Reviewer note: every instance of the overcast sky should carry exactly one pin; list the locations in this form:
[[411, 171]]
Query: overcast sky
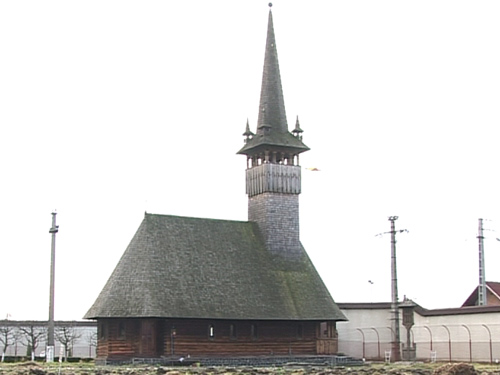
[[109, 109]]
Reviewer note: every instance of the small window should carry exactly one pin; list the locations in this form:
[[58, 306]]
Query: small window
[[327, 330], [254, 334], [232, 332], [121, 330], [300, 331], [211, 331]]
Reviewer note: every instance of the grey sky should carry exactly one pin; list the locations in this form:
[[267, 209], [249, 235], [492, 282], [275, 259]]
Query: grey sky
[[109, 109]]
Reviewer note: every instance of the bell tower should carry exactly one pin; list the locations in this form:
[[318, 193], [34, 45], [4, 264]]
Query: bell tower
[[273, 174]]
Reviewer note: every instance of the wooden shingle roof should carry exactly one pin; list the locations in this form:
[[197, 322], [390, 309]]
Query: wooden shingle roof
[[182, 267], [272, 127]]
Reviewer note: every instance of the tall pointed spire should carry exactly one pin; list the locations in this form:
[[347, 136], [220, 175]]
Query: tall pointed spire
[[272, 105], [272, 133]]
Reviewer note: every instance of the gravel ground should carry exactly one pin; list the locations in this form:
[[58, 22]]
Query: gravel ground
[[35, 368]]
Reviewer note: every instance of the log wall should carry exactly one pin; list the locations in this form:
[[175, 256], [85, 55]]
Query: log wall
[[236, 338], [153, 338]]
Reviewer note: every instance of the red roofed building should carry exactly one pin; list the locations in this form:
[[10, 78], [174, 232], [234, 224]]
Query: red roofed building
[[492, 295]]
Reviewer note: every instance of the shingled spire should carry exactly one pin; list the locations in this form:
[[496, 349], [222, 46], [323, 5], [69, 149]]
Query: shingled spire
[[273, 176], [272, 105], [272, 128]]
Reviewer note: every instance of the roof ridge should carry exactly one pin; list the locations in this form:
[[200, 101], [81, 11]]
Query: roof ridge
[[195, 217]]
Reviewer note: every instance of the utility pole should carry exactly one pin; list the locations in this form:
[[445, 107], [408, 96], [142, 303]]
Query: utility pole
[[49, 353], [396, 341], [394, 293], [481, 295]]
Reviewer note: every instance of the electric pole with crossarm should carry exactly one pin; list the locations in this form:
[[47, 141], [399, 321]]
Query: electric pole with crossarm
[[396, 346], [49, 353]]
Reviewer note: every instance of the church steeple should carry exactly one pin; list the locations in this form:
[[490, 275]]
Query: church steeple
[[272, 133], [272, 105], [273, 175]]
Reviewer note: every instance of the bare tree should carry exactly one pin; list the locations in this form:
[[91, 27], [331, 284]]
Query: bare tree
[[92, 340], [6, 338], [17, 336], [33, 336], [67, 337]]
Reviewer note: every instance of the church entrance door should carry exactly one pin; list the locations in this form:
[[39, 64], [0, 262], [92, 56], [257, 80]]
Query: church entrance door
[[148, 343]]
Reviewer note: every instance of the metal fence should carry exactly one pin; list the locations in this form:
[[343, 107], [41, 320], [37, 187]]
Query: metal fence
[[452, 342]]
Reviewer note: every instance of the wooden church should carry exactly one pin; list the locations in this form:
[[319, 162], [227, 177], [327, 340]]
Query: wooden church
[[219, 288]]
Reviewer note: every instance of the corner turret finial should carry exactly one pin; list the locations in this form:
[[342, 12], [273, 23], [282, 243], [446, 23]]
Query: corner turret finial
[[248, 134], [297, 132]]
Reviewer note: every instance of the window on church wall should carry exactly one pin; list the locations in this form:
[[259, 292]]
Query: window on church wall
[[323, 330], [121, 330], [327, 330], [232, 332], [254, 333], [300, 331], [211, 331]]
